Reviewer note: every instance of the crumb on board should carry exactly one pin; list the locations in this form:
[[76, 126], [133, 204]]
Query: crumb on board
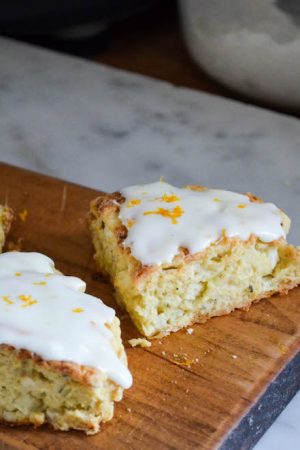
[[206, 352], [128, 409], [139, 342], [189, 330], [183, 360], [234, 356], [23, 215], [283, 348]]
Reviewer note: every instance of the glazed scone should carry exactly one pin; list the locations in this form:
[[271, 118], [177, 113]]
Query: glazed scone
[[180, 256], [6, 216], [62, 361]]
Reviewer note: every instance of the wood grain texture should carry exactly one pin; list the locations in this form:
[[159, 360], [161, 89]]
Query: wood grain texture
[[171, 405]]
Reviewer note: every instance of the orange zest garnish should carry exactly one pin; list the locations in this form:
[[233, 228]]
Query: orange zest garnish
[[77, 310], [182, 360], [23, 215], [33, 302], [130, 223], [186, 363], [172, 214], [18, 274], [40, 283], [242, 205], [169, 198], [6, 299], [216, 199], [133, 202], [27, 300]]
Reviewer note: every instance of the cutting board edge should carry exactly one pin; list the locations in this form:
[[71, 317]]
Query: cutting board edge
[[266, 409]]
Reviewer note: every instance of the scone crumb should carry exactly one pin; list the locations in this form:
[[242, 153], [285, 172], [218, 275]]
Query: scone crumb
[[130, 223], [128, 409], [234, 356], [139, 342], [189, 331], [208, 351], [23, 215], [282, 348], [182, 360]]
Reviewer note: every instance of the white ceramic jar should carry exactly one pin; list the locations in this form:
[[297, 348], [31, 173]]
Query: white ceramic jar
[[251, 46]]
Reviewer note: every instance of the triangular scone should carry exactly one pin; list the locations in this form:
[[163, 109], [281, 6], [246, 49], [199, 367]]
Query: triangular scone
[[62, 361], [179, 256], [6, 216]]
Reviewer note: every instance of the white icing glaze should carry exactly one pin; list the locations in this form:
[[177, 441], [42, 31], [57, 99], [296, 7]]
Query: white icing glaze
[[50, 315], [190, 219]]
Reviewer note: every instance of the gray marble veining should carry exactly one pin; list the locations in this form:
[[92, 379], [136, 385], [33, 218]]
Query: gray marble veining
[[97, 126], [106, 129]]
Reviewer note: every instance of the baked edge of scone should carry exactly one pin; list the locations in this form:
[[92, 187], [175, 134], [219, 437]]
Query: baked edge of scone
[[91, 383], [6, 218]]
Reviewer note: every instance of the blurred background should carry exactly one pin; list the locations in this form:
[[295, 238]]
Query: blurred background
[[248, 51]]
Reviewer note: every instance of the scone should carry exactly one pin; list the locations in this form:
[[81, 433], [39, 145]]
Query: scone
[[6, 216], [62, 361], [180, 256]]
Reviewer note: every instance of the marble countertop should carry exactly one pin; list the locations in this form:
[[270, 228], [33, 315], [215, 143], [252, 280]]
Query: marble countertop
[[105, 128]]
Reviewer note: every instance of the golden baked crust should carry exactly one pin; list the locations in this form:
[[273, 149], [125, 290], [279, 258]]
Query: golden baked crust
[[6, 217], [228, 274], [62, 394]]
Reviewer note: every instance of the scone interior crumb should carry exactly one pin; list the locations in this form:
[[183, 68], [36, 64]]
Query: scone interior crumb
[[33, 392], [139, 342]]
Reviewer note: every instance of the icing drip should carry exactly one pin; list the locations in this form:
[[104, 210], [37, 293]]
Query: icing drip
[[49, 314], [162, 218]]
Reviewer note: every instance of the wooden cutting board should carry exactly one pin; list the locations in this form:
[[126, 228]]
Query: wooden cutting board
[[219, 387]]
